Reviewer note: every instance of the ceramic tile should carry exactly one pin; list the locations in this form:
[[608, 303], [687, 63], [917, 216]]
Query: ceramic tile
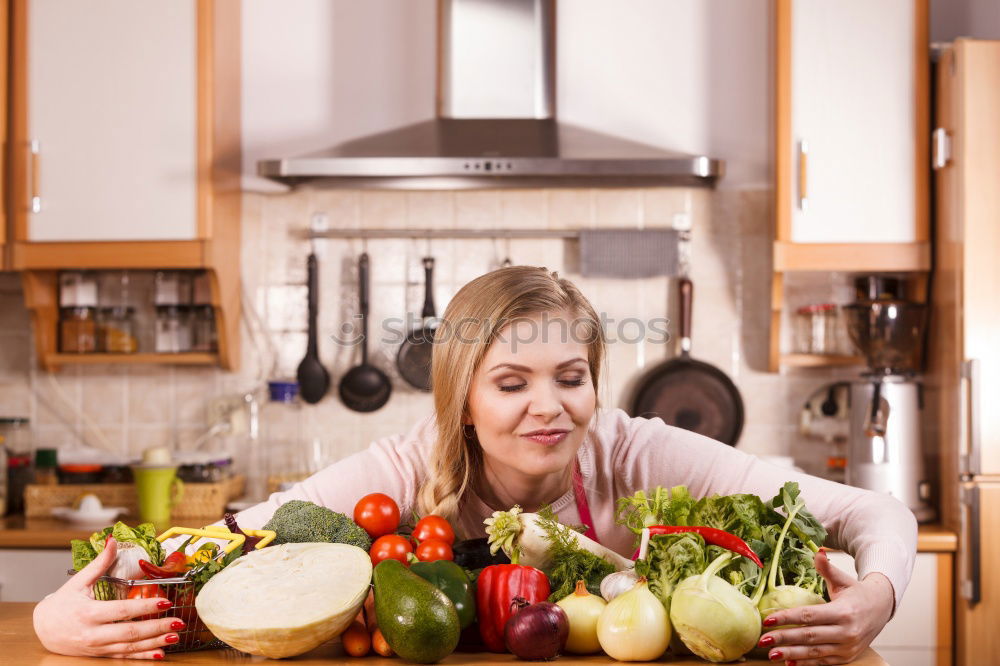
[[430, 210], [103, 393], [193, 388], [383, 210], [15, 398], [150, 400], [617, 208], [16, 359], [570, 209], [477, 209], [341, 207], [660, 205], [523, 209], [55, 436], [139, 438]]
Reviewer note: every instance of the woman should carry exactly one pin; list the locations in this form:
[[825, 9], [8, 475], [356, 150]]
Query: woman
[[516, 369]]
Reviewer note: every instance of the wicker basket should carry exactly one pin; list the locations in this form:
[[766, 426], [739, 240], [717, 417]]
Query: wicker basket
[[197, 501]]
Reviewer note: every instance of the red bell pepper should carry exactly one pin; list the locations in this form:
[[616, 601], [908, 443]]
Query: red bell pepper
[[496, 588], [714, 536], [174, 565]]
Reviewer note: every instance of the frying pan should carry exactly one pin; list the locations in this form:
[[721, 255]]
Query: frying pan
[[414, 356], [687, 393]]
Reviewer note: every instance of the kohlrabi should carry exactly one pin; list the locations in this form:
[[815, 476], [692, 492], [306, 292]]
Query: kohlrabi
[[773, 596], [711, 617]]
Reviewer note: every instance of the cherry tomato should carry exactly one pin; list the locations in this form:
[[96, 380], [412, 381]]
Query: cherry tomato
[[390, 547], [377, 514], [433, 527], [432, 549]]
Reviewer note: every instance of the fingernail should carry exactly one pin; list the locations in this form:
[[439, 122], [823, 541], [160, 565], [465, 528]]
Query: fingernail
[[157, 655], [770, 622], [767, 641], [164, 605], [776, 655], [177, 624], [789, 663], [173, 638]]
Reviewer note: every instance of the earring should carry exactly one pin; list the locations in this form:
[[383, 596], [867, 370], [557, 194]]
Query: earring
[[469, 431]]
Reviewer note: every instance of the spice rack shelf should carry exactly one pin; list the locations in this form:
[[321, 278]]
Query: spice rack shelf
[[819, 360], [41, 295], [54, 361]]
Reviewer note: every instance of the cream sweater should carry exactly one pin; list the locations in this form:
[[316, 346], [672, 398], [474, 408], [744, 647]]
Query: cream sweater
[[620, 456]]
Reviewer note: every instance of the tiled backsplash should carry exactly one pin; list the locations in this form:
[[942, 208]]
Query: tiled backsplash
[[128, 409]]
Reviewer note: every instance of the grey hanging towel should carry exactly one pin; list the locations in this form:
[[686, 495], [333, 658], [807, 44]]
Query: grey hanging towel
[[628, 253]]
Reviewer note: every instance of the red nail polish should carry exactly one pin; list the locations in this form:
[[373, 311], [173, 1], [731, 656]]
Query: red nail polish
[[776, 655], [173, 638], [770, 622], [789, 663], [177, 624], [767, 641], [157, 655], [164, 605]]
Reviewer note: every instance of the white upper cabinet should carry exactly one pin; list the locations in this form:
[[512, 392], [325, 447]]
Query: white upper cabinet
[[853, 121], [112, 112]]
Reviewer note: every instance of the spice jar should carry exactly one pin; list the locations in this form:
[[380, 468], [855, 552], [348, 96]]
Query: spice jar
[[77, 330], [203, 338], [816, 329], [116, 328], [173, 329]]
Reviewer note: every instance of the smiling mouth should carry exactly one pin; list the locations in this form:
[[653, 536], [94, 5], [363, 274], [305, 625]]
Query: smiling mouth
[[547, 436]]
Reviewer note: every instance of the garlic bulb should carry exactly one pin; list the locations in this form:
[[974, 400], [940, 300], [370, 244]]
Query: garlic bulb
[[126, 566]]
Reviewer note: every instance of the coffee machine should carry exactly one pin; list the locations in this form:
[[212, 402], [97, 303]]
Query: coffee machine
[[885, 451]]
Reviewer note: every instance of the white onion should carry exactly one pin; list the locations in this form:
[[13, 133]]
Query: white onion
[[583, 610], [635, 626]]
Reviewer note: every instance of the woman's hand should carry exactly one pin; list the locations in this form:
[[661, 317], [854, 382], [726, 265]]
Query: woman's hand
[[835, 632], [70, 621]]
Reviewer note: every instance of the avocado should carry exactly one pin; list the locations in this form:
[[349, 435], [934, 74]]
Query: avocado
[[417, 619]]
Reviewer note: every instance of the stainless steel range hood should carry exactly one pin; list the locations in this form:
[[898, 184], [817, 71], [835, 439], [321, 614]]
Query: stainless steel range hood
[[496, 124]]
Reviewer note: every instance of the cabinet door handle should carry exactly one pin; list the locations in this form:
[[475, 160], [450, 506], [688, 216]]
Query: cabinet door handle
[[971, 585], [803, 163], [971, 461], [940, 148], [34, 169]]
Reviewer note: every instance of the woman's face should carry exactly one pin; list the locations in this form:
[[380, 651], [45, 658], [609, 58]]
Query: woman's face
[[532, 397]]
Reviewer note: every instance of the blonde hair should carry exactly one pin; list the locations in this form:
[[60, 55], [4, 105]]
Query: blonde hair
[[471, 322]]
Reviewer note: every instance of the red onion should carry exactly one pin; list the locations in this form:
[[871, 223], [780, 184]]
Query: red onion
[[537, 631]]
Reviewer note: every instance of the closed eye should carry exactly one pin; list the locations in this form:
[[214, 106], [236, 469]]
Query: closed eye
[[564, 382]]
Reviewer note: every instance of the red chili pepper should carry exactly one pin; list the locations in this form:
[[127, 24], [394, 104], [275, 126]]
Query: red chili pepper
[[174, 566], [713, 536], [496, 588]]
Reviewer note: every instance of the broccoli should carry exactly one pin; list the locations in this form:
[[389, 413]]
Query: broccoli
[[297, 521]]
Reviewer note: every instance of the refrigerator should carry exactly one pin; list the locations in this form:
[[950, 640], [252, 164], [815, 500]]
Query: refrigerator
[[963, 380]]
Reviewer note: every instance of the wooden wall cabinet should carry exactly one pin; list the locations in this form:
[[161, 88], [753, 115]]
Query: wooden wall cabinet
[[124, 149], [852, 135]]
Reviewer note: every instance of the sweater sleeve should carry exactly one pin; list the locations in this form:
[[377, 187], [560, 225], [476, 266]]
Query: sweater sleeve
[[879, 531], [393, 465]]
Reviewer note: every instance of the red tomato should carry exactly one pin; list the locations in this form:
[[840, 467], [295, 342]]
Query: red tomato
[[377, 514], [390, 547], [146, 592], [432, 549], [433, 527]]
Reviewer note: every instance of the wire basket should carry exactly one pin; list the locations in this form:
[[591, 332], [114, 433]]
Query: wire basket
[[180, 591]]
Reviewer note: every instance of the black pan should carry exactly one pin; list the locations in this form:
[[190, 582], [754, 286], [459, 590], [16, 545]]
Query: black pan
[[414, 356], [687, 393]]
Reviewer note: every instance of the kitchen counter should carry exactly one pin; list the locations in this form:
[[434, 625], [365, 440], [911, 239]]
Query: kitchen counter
[[21, 647], [17, 532]]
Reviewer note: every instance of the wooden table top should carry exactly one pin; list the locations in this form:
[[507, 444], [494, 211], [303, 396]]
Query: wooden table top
[[20, 646], [18, 532], [21, 532]]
